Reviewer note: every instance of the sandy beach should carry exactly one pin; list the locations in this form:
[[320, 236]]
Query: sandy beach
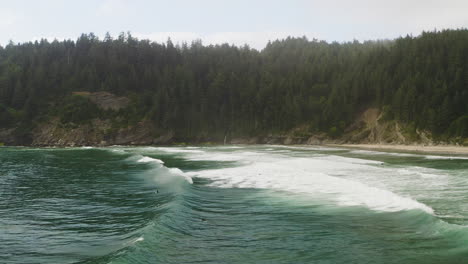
[[448, 149]]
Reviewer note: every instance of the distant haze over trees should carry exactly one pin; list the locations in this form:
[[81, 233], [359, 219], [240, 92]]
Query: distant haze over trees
[[196, 90]]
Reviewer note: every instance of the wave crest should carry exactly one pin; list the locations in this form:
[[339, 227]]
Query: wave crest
[[311, 177]]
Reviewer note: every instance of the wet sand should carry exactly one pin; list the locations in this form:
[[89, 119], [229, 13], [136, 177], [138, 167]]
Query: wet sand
[[442, 149]]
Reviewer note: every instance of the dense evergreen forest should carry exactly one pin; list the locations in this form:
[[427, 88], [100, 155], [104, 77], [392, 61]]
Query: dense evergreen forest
[[197, 90]]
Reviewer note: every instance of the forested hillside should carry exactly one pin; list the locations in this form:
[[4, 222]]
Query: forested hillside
[[209, 92]]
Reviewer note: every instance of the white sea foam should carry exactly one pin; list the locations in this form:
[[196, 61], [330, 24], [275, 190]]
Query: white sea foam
[[117, 150], [217, 157], [134, 241], [148, 159], [176, 171], [435, 157], [446, 157], [316, 176], [221, 156], [311, 147], [160, 171], [422, 172], [344, 181], [179, 150], [346, 160], [373, 152]]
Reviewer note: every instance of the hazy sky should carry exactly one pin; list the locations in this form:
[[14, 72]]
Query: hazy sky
[[216, 21]]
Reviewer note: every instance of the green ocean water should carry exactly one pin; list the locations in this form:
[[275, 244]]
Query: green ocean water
[[231, 204]]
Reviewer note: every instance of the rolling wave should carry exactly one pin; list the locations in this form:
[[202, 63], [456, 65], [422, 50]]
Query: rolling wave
[[309, 177], [261, 187]]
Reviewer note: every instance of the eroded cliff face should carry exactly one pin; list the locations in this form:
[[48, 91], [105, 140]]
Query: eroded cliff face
[[97, 133], [106, 100], [369, 128]]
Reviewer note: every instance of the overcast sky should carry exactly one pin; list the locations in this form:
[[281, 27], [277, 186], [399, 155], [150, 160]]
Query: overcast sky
[[237, 22]]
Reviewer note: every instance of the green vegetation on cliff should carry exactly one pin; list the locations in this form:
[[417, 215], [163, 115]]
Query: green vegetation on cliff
[[199, 91]]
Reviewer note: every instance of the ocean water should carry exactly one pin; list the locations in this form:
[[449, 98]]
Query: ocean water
[[231, 204]]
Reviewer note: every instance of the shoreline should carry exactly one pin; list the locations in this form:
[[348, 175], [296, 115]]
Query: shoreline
[[444, 149], [436, 149]]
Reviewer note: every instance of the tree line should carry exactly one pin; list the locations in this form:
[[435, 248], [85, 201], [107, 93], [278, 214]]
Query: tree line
[[200, 90]]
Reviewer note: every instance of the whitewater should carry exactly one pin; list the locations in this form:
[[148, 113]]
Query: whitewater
[[231, 204]]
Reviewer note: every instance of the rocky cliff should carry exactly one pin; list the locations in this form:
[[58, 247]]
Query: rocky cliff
[[370, 127]]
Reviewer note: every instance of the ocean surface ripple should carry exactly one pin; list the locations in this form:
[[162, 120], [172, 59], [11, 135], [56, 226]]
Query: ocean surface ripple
[[231, 204]]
